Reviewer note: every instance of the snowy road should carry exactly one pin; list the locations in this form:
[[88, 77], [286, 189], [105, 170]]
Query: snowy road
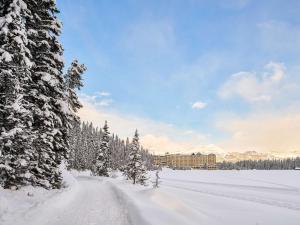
[[94, 204]]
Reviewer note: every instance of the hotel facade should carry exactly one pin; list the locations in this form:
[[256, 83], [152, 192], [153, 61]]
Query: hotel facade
[[184, 161]]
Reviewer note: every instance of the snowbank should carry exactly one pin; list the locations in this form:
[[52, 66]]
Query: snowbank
[[76, 173], [33, 203]]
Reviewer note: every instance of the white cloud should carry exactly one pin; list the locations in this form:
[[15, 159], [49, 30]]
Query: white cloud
[[104, 102], [97, 99], [88, 98], [104, 93], [271, 126], [162, 144], [263, 132], [255, 87], [158, 137], [199, 105], [278, 71]]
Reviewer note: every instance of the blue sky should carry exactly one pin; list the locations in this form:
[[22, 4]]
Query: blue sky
[[209, 68]]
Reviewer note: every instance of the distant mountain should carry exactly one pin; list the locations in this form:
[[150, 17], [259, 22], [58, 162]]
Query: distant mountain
[[253, 155]]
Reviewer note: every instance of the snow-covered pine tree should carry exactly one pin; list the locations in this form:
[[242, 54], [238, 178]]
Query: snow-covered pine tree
[[16, 152], [74, 144], [81, 154], [114, 147], [84, 141], [73, 82], [102, 165], [135, 169], [92, 147], [50, 110], [147, 159], [125, 155], [117, 150]]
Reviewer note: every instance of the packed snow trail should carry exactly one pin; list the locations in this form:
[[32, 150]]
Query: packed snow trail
[[95, 204], [93, 201]]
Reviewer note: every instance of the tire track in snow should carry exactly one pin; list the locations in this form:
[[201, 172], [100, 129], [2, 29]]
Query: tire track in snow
[[239, 186], [270, 202], [128, 203]]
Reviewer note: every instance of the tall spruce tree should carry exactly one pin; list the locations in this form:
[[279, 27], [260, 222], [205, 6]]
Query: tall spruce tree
[[73, 82], [50, 111], [16, 136], [135, 169], [103, 160]]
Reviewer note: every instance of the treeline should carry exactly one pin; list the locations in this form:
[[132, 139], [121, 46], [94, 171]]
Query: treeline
[[271, 164], [38, 102], [98, 151], [85, 143]]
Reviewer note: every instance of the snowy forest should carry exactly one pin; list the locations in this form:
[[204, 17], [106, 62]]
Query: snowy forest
[[85, 140], [274, 164], [40, 128]]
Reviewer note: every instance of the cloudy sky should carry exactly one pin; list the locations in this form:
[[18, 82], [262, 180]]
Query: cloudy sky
[[191, 75]]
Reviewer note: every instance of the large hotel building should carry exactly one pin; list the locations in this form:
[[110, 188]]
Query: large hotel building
[[180, 161]]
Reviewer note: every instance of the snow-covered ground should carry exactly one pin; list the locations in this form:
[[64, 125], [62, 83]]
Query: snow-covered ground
[[184, 198]]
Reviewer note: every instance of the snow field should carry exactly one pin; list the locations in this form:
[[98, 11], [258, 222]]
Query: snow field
[[183, 198], [220, 197]]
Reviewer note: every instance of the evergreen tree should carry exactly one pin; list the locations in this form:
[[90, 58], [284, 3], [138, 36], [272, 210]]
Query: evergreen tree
[[92, 147], [82, 150], [73, 82], [16, 136], [147, 159], [103, 162], [74, 143], [135, 169], [125, 155], [50, 111]]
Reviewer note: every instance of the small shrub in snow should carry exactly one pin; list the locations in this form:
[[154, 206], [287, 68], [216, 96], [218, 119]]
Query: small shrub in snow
[[156, 181]]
